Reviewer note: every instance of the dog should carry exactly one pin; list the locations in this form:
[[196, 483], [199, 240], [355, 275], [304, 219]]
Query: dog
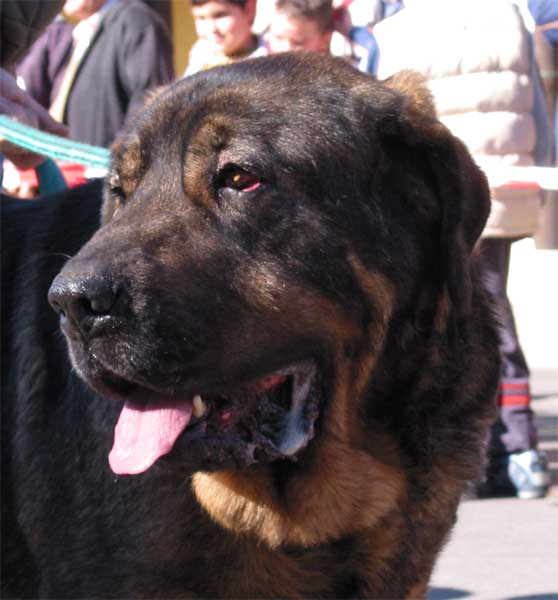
[[283, 362]]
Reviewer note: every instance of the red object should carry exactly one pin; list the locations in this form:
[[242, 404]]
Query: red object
[[338, 12], [74, 174], [522, 185], [514, 394], [515, 400]]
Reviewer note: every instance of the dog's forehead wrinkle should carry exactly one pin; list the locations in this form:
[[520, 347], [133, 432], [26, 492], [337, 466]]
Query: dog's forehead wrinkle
[[207, 136], [316, 145], [215, 143], [164, 172], [248, 151]]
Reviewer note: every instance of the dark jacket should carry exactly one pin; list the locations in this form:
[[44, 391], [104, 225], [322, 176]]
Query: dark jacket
[[21, 23], [43, 67], [130, 53]]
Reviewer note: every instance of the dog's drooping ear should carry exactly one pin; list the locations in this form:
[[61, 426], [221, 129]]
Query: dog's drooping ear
[[460, 186], [465, 199], [451, 162], [413, 86]]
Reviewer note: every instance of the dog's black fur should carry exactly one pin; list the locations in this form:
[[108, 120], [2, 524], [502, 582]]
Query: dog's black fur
[[276, 212], [37, 239]]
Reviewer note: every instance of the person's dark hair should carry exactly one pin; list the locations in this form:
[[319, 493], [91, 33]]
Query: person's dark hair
[[241, 3], [320, 11]]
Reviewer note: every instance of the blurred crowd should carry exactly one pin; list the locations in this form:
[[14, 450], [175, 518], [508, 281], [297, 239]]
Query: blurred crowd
[[491, 66], [92, 65]]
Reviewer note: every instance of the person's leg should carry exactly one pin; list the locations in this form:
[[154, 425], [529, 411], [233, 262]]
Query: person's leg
[[514, 433], [518, 432]]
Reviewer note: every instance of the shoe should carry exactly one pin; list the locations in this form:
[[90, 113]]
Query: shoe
[[528, 472], [523, 475], [495, 483]]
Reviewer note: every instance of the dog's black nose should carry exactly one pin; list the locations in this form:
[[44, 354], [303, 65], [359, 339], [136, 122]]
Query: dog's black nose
[[82, 300]]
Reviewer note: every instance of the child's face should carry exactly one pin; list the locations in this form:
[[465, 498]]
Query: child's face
[[225, 26], [286, 34]]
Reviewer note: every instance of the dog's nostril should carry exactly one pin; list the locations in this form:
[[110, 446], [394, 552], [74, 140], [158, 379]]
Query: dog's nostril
[[100, 304], [81, 300]]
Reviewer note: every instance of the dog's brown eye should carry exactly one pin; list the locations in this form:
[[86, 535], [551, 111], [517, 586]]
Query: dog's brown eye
[[240, 180]]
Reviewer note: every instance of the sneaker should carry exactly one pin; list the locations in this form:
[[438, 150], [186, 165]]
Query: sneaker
[[496, 482], [528, 472]]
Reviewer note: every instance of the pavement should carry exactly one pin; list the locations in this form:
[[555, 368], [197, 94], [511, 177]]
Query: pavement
[[507, 549]]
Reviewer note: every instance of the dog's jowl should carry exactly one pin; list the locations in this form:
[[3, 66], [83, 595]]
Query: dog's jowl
[[282, 361]]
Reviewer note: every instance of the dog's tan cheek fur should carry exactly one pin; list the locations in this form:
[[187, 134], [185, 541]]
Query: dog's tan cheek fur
[[260, 285], [381, 297], [346, 482]]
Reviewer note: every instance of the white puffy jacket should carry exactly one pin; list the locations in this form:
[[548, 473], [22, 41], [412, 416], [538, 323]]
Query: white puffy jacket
[[478, 59]]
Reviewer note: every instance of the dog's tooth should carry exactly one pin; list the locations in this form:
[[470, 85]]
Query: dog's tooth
[[199, 408]]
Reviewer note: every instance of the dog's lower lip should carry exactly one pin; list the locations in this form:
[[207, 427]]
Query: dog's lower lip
[[115, 385]]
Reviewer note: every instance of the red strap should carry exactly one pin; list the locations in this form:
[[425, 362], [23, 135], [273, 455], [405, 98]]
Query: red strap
[[508, 385], [514, 400], [514, 394]]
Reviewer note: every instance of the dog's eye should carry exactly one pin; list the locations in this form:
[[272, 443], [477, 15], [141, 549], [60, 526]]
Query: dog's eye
[[236, 178]]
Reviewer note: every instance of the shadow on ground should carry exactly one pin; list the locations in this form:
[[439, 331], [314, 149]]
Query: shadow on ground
[[442, 593], [534, 597], [547, 429]]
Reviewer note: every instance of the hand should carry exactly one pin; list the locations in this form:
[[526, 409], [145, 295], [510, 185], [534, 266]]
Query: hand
[[20, 106]]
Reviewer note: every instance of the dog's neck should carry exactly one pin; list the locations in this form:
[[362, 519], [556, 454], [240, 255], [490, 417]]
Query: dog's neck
[[339, 486], [310, 508]]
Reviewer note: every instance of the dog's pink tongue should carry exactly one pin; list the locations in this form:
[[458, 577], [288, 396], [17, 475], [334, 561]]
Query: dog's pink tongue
[[145, 433]]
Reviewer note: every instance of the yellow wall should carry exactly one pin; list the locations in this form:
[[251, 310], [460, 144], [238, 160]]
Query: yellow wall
[[183, 33]]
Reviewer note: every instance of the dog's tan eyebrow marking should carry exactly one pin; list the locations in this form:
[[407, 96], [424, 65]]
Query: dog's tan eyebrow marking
[[201, 158], [129, 165]]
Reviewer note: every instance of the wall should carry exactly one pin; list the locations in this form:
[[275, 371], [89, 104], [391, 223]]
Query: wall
[[183, 33]]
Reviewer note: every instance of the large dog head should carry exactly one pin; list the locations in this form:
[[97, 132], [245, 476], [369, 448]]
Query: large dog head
[[282, 239]]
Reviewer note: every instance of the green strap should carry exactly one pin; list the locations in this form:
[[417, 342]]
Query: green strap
[[53, 146]]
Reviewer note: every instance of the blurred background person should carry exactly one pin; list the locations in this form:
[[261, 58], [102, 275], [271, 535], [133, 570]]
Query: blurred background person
[[314, 25], [21, 107], [21, 24], [224, 30], [545, 16], [366, 13], [301, 25], [92, 67], [479, 60]]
